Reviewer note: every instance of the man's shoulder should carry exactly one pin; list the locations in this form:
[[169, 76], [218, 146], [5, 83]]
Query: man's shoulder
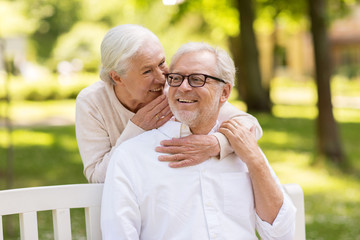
[[144, 140], [150, 139]]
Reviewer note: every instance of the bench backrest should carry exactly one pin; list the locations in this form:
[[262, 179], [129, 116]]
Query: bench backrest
[[297, 196], [60, 199]]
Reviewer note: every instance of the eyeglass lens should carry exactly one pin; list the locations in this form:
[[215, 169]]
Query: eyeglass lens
[[195, 80]]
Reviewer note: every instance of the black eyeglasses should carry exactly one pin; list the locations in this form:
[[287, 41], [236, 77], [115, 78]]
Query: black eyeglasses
[[194, 80]]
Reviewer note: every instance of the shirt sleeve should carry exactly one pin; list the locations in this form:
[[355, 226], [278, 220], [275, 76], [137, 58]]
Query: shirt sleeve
[[93, 139], [283, 227], [228, 111]]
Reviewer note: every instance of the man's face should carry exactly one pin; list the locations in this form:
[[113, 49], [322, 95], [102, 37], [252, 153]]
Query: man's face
[[144, 81], [198, 106]]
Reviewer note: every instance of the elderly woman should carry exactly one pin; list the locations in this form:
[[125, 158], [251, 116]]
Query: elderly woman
[[130, 99]]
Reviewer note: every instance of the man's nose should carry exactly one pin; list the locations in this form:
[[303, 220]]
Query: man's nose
[[185, 86]]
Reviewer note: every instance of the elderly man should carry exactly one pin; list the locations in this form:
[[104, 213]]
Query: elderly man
[[218, 199]]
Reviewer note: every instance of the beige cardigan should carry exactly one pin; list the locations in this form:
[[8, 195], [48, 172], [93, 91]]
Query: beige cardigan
[[103, 123]]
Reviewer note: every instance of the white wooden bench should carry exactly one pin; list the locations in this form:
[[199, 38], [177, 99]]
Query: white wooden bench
[[60, 199]]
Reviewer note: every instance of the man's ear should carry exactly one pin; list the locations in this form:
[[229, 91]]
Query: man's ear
[[115, 76], [225, 93]]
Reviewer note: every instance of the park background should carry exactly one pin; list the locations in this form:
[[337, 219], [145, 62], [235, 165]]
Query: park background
[[50, 50]]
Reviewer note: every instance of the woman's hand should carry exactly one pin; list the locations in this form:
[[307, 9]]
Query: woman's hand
[[189, 151], [154, 114], [242, 140]]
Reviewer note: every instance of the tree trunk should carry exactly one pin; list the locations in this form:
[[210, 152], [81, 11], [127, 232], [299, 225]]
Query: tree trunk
[[249, 83], [328, 141]]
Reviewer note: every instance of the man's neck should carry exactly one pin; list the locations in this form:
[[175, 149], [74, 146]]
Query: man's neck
[[204, 127]]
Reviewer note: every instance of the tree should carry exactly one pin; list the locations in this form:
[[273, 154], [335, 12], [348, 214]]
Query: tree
[[328, 140], [247, 57]]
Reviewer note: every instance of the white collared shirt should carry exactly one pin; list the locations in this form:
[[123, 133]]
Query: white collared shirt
[[144, 198]]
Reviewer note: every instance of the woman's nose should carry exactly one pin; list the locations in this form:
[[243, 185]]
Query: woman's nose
[[159, 76]]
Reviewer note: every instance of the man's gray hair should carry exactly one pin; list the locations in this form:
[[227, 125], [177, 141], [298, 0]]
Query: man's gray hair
[[119, 46], [225, 68]]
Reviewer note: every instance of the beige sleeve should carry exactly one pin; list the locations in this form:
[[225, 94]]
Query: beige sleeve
[[228, 111], [93, 139], [131, 130]]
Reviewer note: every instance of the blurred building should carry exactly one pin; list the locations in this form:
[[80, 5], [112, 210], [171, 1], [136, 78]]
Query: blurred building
[[291, 54], [345, 44]]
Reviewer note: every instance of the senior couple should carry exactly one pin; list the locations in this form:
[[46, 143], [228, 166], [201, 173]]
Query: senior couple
[[218, 185]]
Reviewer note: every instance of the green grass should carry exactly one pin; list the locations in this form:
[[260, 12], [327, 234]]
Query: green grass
[[49, 156], [43, 156], [332, 197]]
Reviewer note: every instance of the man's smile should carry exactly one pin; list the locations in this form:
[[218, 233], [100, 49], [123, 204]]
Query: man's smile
[[181, 100]]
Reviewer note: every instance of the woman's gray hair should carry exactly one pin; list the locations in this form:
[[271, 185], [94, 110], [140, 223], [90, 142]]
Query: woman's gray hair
[[119, 46], [225, 68]]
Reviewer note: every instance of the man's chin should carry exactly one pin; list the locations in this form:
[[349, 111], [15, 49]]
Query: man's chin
[[186, 117]]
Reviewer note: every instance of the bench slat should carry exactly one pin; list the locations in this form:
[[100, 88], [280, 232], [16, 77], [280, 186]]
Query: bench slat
[[28, 226], [62, 224], [92, 218], [1, 229]]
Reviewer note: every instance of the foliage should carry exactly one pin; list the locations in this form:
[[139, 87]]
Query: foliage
[[12, 13], [53, 17], [83, 43]]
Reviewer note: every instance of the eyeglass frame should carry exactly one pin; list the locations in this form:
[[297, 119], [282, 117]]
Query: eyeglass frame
[[187, 76]]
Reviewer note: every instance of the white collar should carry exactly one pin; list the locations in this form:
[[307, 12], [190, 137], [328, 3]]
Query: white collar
[[175, 129]]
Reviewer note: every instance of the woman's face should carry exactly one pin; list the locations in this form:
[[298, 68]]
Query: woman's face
[[144, 80]]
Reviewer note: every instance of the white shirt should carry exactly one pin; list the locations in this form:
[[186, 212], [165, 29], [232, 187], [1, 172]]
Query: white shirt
[[144, 198]]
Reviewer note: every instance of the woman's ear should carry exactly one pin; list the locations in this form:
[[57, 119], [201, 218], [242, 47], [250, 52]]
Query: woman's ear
[[115, 76], [225, 93]]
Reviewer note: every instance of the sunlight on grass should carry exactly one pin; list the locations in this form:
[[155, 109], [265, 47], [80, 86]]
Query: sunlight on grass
[[297, 99], [310, 112], [290, 111], [27, 112], [347, 115], [68, 142], [278, 138], [22, 137]]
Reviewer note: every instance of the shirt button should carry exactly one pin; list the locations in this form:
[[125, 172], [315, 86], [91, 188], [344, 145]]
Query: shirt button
[[208, 204], [213, 235]]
